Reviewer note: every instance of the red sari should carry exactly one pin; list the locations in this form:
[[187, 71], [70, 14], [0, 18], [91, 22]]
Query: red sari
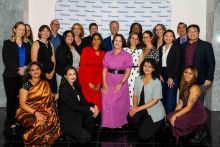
[[90, 71]]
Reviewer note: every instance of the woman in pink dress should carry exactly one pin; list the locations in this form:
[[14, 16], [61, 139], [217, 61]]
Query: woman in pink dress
[[115, 94]]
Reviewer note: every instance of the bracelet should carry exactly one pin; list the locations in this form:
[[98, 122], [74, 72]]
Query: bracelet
[[122, 82], [34, 112]]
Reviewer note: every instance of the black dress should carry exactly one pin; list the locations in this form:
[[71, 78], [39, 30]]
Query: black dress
[[45, 52]]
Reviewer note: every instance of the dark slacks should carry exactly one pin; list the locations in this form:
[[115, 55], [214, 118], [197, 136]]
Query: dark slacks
[[144, 124], [12, 86], [169, 94], [79, 133]]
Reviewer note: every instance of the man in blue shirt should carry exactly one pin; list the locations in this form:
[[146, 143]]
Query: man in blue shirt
[[55, 37]]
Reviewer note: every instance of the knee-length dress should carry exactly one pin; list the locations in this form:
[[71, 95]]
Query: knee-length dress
[[134, 71], [115, 105], [190, 121]]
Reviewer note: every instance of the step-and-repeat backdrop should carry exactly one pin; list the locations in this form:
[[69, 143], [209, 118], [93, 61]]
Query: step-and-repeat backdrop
[[146, 12]]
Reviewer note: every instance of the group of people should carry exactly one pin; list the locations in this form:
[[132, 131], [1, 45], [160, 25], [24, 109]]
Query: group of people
[[66, 83]]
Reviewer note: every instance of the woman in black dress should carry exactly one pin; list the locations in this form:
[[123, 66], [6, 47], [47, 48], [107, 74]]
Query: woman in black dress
[[43, 51]]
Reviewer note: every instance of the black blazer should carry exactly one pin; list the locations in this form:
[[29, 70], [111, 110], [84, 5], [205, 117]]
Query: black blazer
[[10, 56], [62, 59], [204, 60], [87, 41], [70, 109], [173, 60]]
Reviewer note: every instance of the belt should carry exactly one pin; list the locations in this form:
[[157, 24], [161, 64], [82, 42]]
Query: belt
[[116, 71], [134, 66]]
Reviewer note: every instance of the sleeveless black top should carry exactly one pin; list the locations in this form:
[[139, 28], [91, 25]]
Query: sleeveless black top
[[44, 56]]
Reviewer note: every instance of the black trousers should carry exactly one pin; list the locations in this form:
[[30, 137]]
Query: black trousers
[[80, 134], [144, 124], [12, 86]]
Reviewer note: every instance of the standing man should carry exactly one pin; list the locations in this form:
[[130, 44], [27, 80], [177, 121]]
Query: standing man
[[200, 54], [87, 41], [181, 30], [114, 27], [55, 37]]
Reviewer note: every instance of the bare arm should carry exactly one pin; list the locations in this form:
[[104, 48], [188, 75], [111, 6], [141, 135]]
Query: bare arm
[[179, 105], [193, 97], [104, 73], [135, 101], [149, 104], [34, 51]]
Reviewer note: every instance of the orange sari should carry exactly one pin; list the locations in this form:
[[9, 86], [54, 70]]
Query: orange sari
[[42, 99]]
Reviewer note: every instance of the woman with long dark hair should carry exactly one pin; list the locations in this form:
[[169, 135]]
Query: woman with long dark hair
[[190, 114], [147, 112], [90, 70], [37, 112], [76, 114]]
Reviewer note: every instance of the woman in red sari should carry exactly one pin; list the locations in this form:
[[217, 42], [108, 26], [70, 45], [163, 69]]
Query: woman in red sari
[[90, 70], [37, 112]]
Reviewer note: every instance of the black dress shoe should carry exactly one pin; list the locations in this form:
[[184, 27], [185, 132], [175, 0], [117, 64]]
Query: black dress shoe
[[200, 134], [13, 131]]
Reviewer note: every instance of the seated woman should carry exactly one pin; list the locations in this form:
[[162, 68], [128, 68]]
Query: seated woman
[[76, 114], [37, 111], [147, 112], [190, 113]]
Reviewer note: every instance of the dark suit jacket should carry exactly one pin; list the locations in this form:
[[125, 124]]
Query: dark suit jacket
[[107, 44], [87, 41], [70, 109], [10, 56], [62, 59], [204, 60], [173, 60]]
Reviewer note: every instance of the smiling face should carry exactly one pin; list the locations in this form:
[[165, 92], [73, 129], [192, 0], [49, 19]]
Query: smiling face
[[118, 42], [168, 38], [188, 75], [69, 38], [193, 34], [134, 40], [93, 29], [181, 30], [114, 28], [146, 38], [45, 33], [55, 25], [159, 31], [148, 68], [71, 76], [77, 30], [19, 31], [96, 42], [35, 71]]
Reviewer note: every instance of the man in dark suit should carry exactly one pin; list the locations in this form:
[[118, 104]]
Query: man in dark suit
[[114, 27], [87, 41], [199, 54], [181, 30]]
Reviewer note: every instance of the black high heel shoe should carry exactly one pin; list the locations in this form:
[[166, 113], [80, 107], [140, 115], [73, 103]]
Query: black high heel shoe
[[199, 135]]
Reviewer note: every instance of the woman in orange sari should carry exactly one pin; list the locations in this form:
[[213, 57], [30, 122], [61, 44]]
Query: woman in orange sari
[[37, 111]]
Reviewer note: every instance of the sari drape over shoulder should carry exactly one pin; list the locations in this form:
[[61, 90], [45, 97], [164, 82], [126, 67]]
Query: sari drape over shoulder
[[41, 99]]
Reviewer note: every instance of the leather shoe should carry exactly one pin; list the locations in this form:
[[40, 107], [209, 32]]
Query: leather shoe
[[198, 136]]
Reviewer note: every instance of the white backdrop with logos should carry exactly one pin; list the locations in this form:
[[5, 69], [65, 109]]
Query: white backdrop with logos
[[146, 12]]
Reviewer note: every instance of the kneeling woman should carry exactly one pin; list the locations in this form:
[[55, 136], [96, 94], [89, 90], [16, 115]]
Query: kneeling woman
[[190, 113], [37, 111], [147, 112], [76, 114]]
